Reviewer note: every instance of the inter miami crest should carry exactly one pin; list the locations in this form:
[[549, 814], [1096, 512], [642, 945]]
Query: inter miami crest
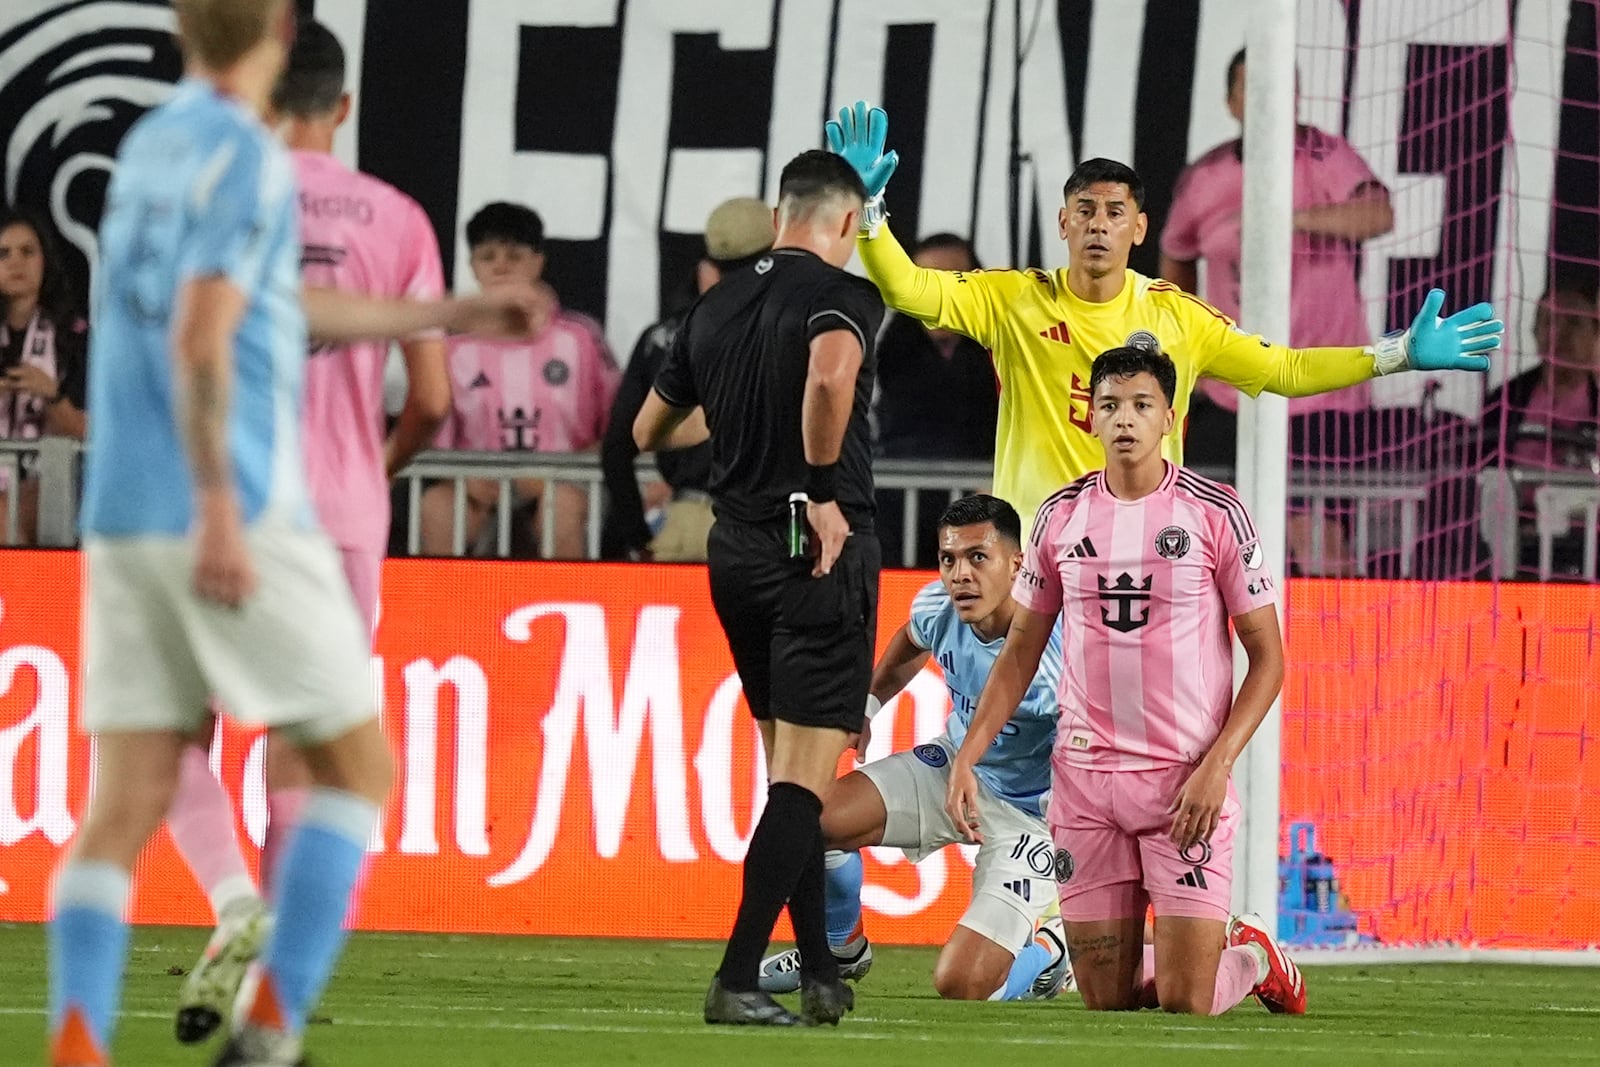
[[1172, 543], [1143, 340], [1064, 866]]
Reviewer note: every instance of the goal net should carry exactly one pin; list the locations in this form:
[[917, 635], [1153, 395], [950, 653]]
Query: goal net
[[1441, 786]]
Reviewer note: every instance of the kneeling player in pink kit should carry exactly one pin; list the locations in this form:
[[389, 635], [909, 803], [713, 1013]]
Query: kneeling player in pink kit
[[1146, 563]]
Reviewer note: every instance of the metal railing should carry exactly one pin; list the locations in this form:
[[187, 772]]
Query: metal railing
[[1388, 506]]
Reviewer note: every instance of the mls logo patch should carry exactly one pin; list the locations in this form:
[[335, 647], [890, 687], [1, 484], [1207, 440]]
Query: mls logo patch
[[1143, 340], [1198, 853], [1172, 543], [1064, 866], [1253, 556], [932, 755], [556, 372], [765, 265]]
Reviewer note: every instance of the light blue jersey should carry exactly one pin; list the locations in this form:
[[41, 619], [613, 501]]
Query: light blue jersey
[[1017, 766], [201, 190]]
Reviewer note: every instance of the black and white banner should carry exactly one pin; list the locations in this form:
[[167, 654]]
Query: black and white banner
[[625, 121]]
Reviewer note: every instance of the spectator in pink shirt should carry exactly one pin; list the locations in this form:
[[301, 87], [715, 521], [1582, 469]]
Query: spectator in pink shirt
[[1548, 418], [550, 394], [1338, 203]]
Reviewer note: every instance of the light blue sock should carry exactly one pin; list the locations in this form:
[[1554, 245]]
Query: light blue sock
[[1029, 965], [88, 946], [319, 869], [843, 887]]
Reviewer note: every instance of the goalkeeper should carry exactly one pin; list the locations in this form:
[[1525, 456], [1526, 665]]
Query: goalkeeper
[[1045, 327]]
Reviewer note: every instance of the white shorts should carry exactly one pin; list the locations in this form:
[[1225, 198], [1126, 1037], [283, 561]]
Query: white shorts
[[1013, 882], [294, 656]]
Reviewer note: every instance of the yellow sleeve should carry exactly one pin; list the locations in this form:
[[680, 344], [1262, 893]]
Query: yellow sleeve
[[973, 303], [1254, 365]]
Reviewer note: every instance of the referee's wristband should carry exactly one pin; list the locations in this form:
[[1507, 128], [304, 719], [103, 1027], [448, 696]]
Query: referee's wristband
[[822, 482], [874, 705]]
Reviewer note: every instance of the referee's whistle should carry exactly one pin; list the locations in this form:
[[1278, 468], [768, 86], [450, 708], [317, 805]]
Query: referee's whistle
[[799, 528]]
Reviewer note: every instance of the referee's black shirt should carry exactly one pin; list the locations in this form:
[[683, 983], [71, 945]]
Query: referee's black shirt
[[743, 355]]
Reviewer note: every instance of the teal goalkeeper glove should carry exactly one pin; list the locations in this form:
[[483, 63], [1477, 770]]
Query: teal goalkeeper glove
[[859, 136], [1432, 343]]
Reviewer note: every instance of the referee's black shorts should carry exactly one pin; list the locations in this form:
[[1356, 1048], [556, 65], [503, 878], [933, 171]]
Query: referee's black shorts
[[803, 646]]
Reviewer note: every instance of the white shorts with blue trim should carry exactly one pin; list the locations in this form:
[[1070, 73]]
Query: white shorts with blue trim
[[1013, 881]]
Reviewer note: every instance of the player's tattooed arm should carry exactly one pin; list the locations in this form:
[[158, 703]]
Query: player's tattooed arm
[[209, 313]]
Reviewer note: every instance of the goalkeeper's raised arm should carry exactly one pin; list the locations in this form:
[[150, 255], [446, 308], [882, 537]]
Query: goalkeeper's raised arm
[[968, 302]]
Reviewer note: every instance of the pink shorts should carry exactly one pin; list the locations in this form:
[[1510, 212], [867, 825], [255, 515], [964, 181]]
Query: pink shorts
[[363, 571], [1114, 855]]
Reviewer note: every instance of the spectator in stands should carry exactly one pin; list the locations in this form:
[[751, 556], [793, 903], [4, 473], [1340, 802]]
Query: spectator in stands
[[937, 399], [1338, 203], [550, 394], [737, 234], [43, 350], [1547, 418]]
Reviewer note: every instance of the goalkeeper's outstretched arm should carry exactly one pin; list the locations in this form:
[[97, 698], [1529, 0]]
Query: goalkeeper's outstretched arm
[[1462, 341]]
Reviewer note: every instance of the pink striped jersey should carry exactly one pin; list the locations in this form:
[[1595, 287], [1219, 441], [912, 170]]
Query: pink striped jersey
[[550, 394], [1325, 298], [364, 236], [1145, 589]]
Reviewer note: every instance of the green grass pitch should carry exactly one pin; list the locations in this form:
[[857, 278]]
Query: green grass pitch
[[400, 1000]]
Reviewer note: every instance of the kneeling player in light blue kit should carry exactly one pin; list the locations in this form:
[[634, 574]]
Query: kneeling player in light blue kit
[[1008, 944]]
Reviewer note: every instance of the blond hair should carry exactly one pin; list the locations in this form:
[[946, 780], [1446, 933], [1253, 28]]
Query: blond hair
[[218, 33]]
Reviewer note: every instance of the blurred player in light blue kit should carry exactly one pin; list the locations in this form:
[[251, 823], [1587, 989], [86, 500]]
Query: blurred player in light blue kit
[[1008, 944], [206, 573]]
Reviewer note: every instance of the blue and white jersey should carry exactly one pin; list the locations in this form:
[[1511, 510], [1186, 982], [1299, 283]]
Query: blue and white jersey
[[201, 190], [1017, 766]]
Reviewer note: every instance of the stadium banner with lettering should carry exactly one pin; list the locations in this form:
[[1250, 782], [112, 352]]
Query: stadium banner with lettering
[[575, 757], [624, 123]]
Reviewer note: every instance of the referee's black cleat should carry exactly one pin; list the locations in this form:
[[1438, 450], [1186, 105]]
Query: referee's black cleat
[[823, 1001], [754, 1008]]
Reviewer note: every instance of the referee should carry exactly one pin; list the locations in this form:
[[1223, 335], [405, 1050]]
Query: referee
[[780, 357]]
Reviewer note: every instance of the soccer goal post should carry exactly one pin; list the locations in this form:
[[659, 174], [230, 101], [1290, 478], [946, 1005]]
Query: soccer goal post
[[1267, 247], [1428, 784]]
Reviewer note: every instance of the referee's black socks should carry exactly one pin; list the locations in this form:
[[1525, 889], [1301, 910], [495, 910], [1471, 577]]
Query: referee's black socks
[[783, 864]]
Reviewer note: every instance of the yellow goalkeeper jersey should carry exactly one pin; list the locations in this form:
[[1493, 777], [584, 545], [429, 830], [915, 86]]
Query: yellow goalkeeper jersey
[[1043, 340]]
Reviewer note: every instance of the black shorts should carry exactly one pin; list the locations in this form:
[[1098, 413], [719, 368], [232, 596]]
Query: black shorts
[[803, 646]]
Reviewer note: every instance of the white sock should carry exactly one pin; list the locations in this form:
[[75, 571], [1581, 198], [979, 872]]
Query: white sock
[[1263, 963]]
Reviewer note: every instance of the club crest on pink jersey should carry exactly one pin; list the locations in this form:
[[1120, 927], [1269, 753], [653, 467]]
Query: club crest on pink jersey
[[1172, 543]]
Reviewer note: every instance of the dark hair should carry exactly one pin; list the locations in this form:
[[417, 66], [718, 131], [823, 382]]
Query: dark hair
[[1127, 361], [57, 302], [501, 221], [1095, 170], [815, 175], [1233, 68], [947, 241], [980, 508], [313, 79], [1584, 283]]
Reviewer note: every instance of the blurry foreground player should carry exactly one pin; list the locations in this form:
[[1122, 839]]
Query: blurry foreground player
[[1008, 944], [1142, 806], [206, 574], [1044, 327], [360, 235], [780, 357]]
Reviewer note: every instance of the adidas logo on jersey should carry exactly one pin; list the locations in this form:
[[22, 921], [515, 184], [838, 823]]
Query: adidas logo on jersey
[[1083, 550], [1195, 879], [1058, 332], [480, 382], [1021, 887]]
